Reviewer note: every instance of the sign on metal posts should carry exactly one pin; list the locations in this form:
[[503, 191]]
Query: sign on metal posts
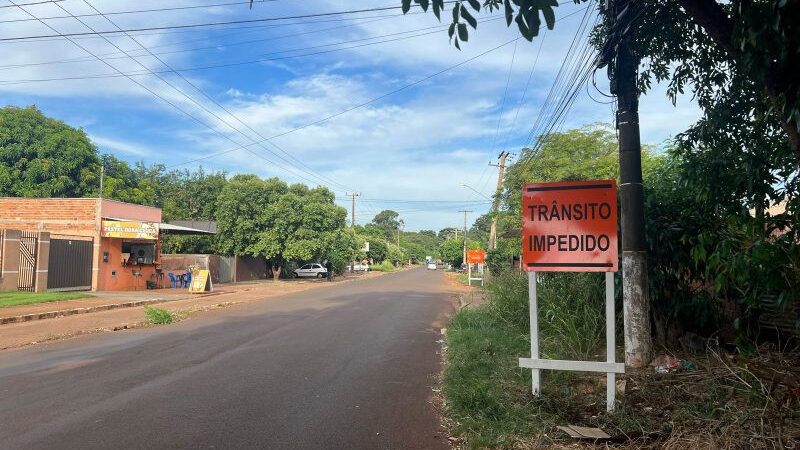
[[571, 227], [475, 257]]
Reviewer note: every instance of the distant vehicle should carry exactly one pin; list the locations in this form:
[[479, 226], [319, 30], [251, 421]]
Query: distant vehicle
[[360, 267], [311, 270], [431, 266], [428, 259]]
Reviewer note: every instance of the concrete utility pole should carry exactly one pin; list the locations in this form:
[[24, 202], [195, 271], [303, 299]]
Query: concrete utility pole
[[353, 208], [464, 257], [636, 305], [501, 166]]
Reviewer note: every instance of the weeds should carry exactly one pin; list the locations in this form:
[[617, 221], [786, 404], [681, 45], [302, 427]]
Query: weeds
[[158, 316], [729, 401], [385, 266]]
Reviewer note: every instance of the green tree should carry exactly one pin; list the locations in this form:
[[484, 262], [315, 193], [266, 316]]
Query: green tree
[[706, 43], [587, 153], [240, 212], [387, 221], [396, 255], [378, 249], [44, 157], [302, 225]]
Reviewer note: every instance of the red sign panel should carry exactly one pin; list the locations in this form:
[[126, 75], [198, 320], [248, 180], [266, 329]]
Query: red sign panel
[[570, 226], [476, 256]]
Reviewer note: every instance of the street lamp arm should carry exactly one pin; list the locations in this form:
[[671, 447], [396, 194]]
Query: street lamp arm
[[475, 191]]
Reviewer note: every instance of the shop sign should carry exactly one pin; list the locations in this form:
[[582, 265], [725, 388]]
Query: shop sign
[[570, 226], [129, 229], [201, 281]]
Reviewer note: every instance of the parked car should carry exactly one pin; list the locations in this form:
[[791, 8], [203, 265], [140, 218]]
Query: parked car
[[360, 267], [431, 266], [311, 270]]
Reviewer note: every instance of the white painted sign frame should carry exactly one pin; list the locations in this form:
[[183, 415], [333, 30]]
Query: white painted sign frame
[[610, 367], [469, 274]]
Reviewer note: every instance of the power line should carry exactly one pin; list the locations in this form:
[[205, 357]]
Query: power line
[[368, 102], [310, 171], [219, 66], [138, 83], [30, 4], [114, 55], [113, 13], [197, 25]]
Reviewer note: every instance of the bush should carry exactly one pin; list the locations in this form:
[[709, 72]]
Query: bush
[[158, 316], [385, 266]]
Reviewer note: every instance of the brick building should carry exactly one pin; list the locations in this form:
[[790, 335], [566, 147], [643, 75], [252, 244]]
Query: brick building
[[96, 244]]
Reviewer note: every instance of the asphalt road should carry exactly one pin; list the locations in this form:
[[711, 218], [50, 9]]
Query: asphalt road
[[350, 366]]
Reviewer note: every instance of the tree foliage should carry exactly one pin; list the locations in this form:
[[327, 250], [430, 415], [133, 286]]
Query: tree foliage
[[388, 222], [282, 223], [44, 157]]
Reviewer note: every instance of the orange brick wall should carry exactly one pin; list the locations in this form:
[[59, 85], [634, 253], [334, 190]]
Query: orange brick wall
[[68, 216]]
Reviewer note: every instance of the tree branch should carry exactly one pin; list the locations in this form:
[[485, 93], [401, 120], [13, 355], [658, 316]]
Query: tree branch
[[710, 15]]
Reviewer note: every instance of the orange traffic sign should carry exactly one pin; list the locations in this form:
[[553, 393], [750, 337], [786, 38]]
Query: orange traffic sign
[[570, 226], [476, 256]]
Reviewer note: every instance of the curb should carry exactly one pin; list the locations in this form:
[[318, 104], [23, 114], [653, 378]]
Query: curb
[[90, 309]]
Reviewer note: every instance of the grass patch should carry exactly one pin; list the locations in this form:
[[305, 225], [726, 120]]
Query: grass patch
[[730, 401], [158, 316], [16, 298], [385, 266]]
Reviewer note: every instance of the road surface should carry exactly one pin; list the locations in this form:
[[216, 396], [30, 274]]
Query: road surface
[[350, 366]]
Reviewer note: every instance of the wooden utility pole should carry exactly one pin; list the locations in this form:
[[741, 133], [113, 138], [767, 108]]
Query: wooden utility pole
[[353, 222], [501, 166], [464, 256], [636, 305], [353, 208]]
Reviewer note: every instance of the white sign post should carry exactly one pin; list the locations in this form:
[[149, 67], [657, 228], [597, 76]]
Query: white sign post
[[571, 226], [610, 367], [470, 278]]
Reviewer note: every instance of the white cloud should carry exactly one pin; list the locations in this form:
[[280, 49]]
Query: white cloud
[[110, 145]]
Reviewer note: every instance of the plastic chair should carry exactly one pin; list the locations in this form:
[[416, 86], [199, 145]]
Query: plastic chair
[[188, 279], [173, 280]]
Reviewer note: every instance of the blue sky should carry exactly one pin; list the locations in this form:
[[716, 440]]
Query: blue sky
[[409, 151]]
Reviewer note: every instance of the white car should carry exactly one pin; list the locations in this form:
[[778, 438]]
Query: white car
[[431, 266], [311, 270], [360, 267]]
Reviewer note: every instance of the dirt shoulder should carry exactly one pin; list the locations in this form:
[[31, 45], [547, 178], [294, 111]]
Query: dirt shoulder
[[13, 335], [465, 296]]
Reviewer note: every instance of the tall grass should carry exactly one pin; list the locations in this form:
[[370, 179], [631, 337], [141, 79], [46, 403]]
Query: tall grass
[[571, 310], [487, 396]]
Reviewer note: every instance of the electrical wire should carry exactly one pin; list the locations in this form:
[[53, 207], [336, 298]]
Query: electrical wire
[[197, 25], [115, 55], [368, 102], [310, 171], [218, 66]]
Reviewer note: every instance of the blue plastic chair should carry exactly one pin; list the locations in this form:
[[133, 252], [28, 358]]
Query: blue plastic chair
[[188, 279], [173, 280]]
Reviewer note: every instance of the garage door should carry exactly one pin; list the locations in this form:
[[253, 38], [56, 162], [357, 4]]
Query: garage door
[[70, 265]]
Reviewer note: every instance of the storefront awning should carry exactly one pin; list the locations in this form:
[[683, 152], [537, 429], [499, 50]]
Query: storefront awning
[[179, 229]]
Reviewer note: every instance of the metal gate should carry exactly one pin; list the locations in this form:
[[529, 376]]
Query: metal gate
[[27, 261], [70, 265]]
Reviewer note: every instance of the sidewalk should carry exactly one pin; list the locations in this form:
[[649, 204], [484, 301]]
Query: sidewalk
[[119, 312], [99, 301]]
